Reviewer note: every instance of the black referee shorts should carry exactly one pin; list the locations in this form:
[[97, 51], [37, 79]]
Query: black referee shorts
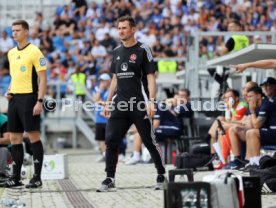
[[20, 113]]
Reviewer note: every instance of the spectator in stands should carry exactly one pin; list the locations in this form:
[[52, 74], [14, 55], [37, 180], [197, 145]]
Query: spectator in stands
[[46, 40], [93, 11], [167, 121], [158, 48], [80, 8], [41, 23], [99, 97], [79, 83], [167, 66], [236, 42], [262, 64], [6, 43], [67, 25], [109, 43], [99, 53], [34, 39], [101, 30]]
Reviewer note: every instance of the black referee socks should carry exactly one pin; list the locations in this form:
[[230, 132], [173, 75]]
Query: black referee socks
[[17, 156], [38, 153]]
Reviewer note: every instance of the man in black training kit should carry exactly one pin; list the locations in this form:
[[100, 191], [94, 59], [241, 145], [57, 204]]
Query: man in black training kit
[[134, 84], [25, 95]]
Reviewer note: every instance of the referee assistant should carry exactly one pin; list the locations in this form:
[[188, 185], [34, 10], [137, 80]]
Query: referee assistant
[[25, 95], [133, 79]]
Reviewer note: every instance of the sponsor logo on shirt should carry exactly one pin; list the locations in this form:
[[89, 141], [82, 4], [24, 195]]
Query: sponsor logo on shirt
[[118, 58], [42, 62], [23, 68], [124, 66], [18, 57], [133, 58]]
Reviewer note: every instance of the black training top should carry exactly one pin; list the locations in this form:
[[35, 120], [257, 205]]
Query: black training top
[[131, 66]]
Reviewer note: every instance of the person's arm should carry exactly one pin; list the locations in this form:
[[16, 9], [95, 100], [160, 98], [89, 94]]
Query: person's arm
[[156, 123], [97, 95], [99, 90], [257, 121], [5, 140], [41, 91], [152, 94], [262, 64], [112, 88], [40, 65]]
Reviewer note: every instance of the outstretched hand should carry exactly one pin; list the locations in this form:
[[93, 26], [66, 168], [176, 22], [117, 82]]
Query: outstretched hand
[[239, 68]]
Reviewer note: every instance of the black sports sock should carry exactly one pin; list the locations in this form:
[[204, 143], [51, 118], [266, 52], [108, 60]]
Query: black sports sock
[[17, 156], [237, 157], [38, 153]]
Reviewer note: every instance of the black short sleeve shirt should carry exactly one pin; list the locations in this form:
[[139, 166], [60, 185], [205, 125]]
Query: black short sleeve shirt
[[268, 111], [131, 66]]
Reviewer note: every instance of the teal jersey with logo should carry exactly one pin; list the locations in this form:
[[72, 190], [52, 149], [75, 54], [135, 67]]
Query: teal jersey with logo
[[3, 119]]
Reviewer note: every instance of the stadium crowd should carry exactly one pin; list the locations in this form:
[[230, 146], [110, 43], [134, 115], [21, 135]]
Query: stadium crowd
[[84, 35]]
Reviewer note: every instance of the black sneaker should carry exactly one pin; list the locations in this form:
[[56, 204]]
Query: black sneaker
[[237, 164], [12, 182], [34, 183], [3, 177], [249, 167], [160, 182], [107, 185]]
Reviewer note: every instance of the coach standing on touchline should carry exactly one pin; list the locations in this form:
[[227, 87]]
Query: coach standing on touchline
[[25, 95], [133, 82]]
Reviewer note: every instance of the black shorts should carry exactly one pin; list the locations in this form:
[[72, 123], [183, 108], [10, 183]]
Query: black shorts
[[20, 113], [162, 134], [268, 136], [100, 131]]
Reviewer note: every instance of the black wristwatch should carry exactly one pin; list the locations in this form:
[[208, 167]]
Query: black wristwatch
[[40, 100]]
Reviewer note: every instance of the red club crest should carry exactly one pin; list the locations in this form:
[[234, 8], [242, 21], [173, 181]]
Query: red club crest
[[133, 57]]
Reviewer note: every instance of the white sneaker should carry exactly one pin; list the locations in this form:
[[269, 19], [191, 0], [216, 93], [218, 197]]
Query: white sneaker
[[108, 185], [101, 159], [133, 161], [121, 158], [160, 182]]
